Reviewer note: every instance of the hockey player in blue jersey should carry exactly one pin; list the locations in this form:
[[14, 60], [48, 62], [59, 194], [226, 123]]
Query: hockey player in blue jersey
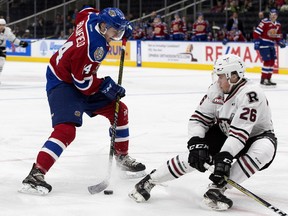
[[74, 88]]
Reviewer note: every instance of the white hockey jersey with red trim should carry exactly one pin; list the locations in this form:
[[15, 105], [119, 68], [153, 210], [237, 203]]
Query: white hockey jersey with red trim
[[242, 114]]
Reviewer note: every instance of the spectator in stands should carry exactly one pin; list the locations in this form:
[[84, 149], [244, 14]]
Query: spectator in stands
[[159, 29], [279, 3], [69, 22], [40, 26], [233, 6], [247, 6], [218, 8], [62, 36], [151, 19], [235, 23], [17, 32], [284, 8], [235, 35], [260, 18], [58, 25], [217, 34], [177, 28], [27, 34], [70, 31], [200, 29], [138, 33], [149, 33]]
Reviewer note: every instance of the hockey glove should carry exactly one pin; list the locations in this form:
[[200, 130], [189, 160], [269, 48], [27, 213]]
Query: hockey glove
[[23, 44], [282, 43], [222, 161], [198, 153], [225, 41], [257, 44], [128, 31], [110, 89]]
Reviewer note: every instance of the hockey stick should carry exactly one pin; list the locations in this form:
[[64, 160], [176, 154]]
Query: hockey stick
[[36, 40], [248, 193], [105, 183]]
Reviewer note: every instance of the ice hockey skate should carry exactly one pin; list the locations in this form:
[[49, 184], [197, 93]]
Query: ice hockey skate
[[130, 167], [215, 199], [34, 183], [267, 83], [141, 192]]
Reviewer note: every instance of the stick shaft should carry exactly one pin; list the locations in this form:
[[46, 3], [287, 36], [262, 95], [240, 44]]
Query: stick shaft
[[249, 193], [105, 183]]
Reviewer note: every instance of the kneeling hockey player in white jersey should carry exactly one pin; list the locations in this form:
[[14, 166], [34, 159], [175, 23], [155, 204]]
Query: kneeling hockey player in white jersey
[[231, 129]]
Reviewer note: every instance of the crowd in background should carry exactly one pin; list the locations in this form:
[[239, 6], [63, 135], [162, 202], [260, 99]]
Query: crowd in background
[[176, 28]]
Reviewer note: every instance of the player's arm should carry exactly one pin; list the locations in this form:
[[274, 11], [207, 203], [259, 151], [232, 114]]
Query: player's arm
[[280, 41], [256, 36], [204, 115], [240, 128], [244, 120], [84, 74], [198, 125], [13, 39]]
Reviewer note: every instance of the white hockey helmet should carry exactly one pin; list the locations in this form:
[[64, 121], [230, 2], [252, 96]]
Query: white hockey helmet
[[2, 22], [228, 64]]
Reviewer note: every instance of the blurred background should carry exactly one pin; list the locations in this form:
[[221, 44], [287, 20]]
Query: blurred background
[[55, 18]]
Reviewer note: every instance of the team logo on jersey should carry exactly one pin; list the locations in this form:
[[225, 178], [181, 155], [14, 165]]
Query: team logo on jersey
[[112, 13], [99, 53], [218, 100]]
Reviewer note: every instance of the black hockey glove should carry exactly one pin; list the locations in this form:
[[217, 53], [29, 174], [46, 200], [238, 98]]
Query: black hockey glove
[[257, 43], [222, 161], [128, 31], [282, 44], [111, 90], [198, 153], [23, 44]]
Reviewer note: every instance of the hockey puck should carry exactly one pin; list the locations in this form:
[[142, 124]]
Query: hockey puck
[[108, 192]]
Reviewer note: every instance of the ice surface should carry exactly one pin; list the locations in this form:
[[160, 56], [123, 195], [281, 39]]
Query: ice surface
[[160, 102]]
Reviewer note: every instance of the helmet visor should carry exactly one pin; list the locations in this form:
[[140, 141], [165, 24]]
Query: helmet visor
[[115, 34]]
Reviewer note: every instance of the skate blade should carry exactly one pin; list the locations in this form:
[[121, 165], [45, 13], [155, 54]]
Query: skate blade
[[132, 175], [137, 197], [28, 189], [218, 206], [268, 86]]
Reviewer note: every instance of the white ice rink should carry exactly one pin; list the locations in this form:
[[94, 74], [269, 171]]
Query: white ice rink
[[160, 103]]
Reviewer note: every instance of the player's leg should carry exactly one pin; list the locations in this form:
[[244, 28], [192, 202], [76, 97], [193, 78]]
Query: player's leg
[[172, 169], [2, 62], [121, 146], [268, 57], [64, 119], [272, 63], [258, 157]]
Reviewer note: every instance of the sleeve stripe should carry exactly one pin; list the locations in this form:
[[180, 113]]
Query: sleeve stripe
[[237, 139], [239, 129]]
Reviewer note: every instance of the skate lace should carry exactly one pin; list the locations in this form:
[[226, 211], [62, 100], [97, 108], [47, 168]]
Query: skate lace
[[148, 185], [127, 160], [38, 176], [213, 186]]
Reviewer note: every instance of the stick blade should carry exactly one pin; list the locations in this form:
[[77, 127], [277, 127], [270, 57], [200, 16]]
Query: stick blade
[[93, 189]]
